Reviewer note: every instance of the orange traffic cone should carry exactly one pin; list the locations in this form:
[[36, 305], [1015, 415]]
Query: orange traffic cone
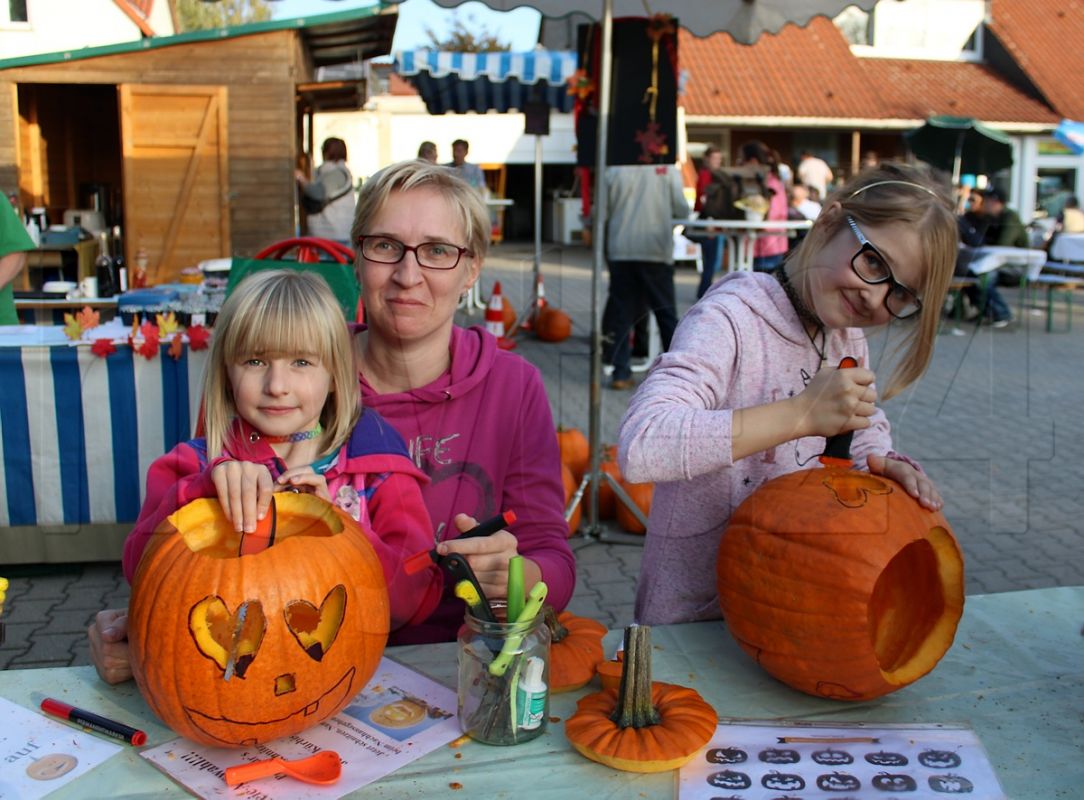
[[495, 318]]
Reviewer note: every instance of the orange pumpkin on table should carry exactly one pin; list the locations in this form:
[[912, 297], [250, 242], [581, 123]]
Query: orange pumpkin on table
[[575, 451], [230, 650], [575, 649], [839, 583], [640, 494]]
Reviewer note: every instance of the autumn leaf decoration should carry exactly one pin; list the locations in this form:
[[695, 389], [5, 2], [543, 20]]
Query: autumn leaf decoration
[[580, 85], [176, 347], [167, 323], [197, 337], [148, 348], [72, 329], [103, 347]]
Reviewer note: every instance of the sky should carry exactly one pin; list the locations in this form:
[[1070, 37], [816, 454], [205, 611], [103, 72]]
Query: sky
[[519, 28]]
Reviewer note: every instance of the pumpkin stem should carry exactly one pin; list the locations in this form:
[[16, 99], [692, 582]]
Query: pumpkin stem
[[634, 707], [557, 631]]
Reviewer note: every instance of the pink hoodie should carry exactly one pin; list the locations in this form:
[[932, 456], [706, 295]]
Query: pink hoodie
[[740, 346], [484, 434]]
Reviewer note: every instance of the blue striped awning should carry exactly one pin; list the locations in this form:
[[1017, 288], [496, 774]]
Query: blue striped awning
[[462, 82]]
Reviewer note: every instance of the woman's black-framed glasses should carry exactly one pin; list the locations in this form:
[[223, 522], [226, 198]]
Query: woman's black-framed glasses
[[869, 265], [430, 255]]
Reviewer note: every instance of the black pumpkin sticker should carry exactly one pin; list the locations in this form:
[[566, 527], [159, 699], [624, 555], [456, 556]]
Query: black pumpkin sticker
[[832, 758], [939, 759], [730, 779], [885, 759], [950, 784], [726, 755], [838, 782], [776, 756], [889, 782], [783, 782]]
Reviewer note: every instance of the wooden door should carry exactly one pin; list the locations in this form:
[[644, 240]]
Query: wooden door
[[176, 181]]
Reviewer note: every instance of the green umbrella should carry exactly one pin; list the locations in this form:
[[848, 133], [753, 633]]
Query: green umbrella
[[962, 144]]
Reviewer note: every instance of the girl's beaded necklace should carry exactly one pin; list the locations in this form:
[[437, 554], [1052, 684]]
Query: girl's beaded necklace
[[300, 436], [805, 314]]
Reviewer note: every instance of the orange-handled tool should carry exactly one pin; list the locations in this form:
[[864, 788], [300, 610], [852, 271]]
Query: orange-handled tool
[[837, 450], [323, 767]]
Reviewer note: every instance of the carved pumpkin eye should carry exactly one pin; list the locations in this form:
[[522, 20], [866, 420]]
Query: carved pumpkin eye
[[316, 628], [231, 640]]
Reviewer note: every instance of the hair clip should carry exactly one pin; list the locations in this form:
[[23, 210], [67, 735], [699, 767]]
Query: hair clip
[[912, 184]]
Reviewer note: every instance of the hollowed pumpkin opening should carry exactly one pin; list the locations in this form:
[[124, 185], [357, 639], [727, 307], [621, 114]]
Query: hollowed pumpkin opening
[[912, 613], [206, 530]]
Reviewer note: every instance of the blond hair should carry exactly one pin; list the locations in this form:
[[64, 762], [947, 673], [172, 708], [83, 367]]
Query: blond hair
[[895, 192], [406, 175], [274, 313]]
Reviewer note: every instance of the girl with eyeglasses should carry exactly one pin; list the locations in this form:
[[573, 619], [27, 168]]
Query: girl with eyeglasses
[[750, 388], [476, 418]]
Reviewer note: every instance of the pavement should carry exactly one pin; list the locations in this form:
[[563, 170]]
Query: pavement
[[994, 422]]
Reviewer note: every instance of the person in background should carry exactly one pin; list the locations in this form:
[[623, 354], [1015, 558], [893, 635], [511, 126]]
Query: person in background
[[786, 174], [1071, 218], [427, 151], [768, 250], [471, 173], [800, 202], [711, 247], [1003, 225], [815, 173], [336, 185], [751, 388], [643, 200], [870, 159], [476, 418], [14, 244]]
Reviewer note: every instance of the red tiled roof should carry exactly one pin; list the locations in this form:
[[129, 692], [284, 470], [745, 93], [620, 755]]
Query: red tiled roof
[[799, 72], [398, 85], [1046, 39], [913, 89]]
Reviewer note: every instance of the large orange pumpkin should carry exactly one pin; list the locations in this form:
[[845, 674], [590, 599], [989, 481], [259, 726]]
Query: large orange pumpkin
[[571, 485], [553, 325], [607, 500], [839, 583], [640, 494], [230, 650], [575, 450]]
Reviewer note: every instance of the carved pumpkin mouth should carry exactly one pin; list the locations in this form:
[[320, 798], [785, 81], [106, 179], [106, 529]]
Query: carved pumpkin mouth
[[239, 732]]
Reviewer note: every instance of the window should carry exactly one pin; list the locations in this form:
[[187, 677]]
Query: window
[[1053, 187], [17, 11]]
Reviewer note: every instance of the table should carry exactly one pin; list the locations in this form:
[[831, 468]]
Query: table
[[741, 235], [36, 309], [77, 434], [1068, 247], [1015, 675], [990, 257]]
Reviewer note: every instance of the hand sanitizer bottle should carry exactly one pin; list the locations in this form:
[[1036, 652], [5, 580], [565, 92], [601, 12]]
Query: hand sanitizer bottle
[[531, 696]]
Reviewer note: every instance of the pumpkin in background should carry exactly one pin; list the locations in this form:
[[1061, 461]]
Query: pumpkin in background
[[231, 650], [575, 649], [607, 500], [571, 485], [640, 494], [642, 726], [575, 451], [839, 583], [553, 325]]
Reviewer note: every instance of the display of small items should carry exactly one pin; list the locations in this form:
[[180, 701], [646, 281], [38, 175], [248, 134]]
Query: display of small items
[[199, 307]]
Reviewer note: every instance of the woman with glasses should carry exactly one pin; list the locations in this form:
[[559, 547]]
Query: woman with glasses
[[475, 418], [751, 387]]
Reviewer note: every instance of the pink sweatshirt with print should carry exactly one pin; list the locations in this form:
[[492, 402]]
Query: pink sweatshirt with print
[[740, 346]]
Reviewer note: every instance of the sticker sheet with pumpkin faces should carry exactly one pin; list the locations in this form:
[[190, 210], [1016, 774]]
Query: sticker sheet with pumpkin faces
[[748, 760]]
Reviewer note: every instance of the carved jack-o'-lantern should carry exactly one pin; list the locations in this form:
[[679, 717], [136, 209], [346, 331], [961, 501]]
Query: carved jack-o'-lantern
[[838, 782], [939, 759], [783, 781], [232, 649], [886, 759], [839, 583], [832, 758], [726, 755], [888, 782]]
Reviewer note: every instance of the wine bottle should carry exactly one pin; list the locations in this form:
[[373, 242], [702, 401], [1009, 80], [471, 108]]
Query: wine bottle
[[120, 268], [103, 267]]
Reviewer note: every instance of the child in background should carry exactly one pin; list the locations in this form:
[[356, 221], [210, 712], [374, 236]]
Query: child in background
[[750, 386], [282, 412]]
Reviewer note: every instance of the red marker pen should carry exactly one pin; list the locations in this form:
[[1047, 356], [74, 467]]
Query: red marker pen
[[93, 721]]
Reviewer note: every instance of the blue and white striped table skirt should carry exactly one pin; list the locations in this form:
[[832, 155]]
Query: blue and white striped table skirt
[[78, 432]]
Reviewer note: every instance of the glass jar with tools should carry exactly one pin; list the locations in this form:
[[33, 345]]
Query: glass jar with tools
[[504, 671]]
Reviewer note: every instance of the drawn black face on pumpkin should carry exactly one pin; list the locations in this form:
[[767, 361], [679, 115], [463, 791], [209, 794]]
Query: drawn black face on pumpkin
[[883, 759], [730, 779], [950, 784], [832, 758], [838, 782], [783, 782], [776, 756], [939, 759], [726, 755], [887, 782]]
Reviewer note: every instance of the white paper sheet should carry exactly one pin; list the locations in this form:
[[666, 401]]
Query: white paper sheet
[[39, 755], [752, 760], [399, 716]]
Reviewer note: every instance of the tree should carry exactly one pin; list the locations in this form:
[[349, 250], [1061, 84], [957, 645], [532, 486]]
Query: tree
[[466, 37], [198, 15]]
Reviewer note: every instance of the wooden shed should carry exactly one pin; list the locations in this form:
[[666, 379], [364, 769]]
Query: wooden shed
[[189, 142]]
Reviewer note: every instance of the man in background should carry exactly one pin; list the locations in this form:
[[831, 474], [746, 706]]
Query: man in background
[[14, 242], [815, 173], [471, 173]]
